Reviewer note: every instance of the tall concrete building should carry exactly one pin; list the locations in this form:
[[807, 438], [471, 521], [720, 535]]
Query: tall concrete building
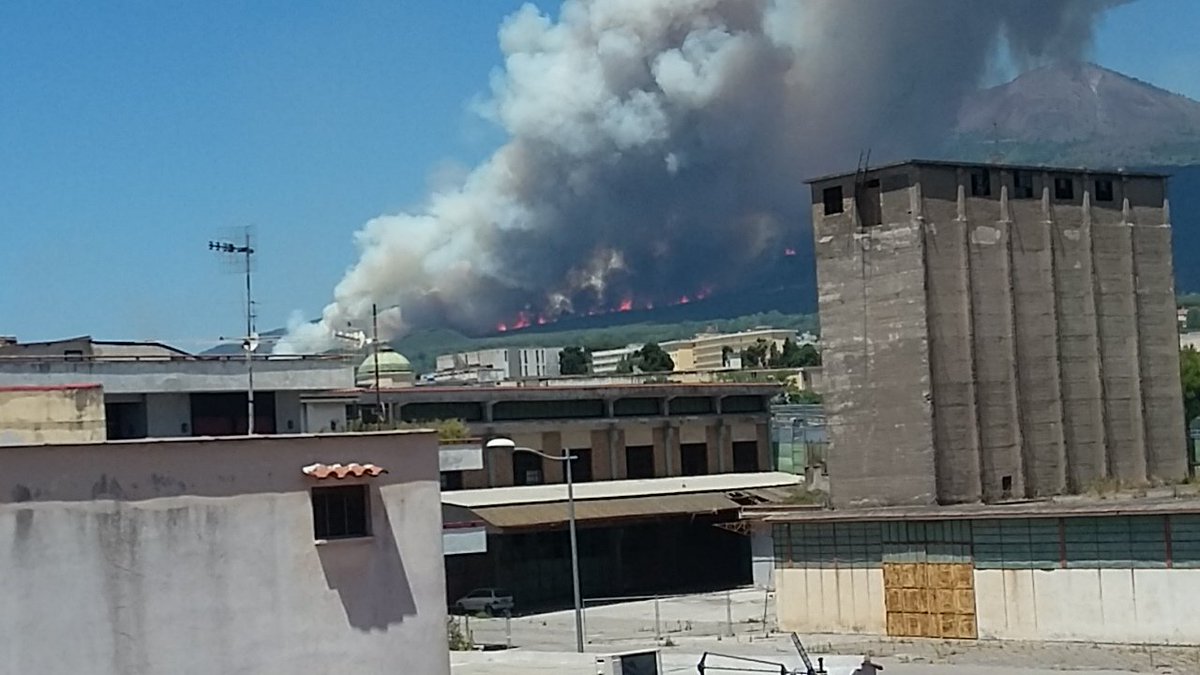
[[996, 332]]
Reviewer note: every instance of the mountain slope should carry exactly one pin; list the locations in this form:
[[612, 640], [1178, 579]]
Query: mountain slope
[[1078, 114]]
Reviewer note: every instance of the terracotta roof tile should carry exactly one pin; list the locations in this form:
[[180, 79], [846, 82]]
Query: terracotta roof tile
[[355, 469]]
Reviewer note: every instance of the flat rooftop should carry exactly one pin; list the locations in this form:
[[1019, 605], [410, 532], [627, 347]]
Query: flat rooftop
[[557, 492], [1184, 499], [992, 165]]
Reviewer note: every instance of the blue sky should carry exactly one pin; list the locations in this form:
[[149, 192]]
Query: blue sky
[[131, 133]]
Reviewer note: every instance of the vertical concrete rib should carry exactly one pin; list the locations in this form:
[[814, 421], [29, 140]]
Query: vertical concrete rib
[[1146, 208], [1001, 472], [1117, 332], [956, 436], [1040, 393], [871, 294], [1079, 365]]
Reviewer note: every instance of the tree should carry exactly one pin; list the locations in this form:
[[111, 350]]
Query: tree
[[653, 359], [1189, 371], [573, 361], [756, 355], [625, 366], [1193, 318], [797, 356]]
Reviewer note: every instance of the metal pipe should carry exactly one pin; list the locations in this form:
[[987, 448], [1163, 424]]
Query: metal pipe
[[574, 553]]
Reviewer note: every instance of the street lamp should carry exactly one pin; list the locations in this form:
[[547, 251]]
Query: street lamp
[[508, 444]]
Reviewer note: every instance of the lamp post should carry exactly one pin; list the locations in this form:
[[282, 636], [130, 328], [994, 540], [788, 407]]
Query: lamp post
[[566, 458]]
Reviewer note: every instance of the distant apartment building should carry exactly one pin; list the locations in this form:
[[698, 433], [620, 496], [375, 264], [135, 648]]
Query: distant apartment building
[[996, 332], [606, 361], [714, 351], [274, 555], [502, 363], [154, 390], [662, 471]]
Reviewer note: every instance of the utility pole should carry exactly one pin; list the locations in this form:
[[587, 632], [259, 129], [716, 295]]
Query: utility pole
[[250, 342], [375, 351]]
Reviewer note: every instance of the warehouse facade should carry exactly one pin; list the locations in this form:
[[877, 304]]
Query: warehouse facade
[[1121, 572]]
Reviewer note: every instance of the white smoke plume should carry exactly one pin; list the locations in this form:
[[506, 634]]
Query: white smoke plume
[[658, 147]]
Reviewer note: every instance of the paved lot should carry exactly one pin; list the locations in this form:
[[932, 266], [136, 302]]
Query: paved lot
[[733, 623]]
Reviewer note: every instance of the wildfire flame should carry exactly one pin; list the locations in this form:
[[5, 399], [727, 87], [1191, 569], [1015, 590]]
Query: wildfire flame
[[527, 317]]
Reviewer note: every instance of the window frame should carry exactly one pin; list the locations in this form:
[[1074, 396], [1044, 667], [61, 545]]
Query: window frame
[[1064, 188], [1022, 184], [834, 206], [981, 183], [320, 497], [1106, 194]]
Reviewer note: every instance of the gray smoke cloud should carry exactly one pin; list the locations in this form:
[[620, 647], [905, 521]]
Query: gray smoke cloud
[[657, 148]]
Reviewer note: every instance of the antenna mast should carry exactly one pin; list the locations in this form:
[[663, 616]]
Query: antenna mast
[[250, 342], [375, 350]]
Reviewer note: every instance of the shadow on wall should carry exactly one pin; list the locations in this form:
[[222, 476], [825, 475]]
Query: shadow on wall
[[369, 575]]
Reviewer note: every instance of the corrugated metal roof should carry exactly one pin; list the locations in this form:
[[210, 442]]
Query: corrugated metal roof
[[555, 513], [611, 489], [1032, 509], [342, 470]]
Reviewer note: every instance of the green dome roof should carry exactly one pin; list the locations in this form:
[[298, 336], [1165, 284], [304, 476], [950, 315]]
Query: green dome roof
[[390, 363]]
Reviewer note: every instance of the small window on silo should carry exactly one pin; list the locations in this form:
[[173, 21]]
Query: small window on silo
[[1104, 190], [833, 200], [981, 184], [1064, 188], [1022, 184]]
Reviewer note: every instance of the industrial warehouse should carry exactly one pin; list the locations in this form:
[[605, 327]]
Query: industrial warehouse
[[1005, 416]]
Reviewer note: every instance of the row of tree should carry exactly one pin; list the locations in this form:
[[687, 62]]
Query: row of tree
[[652, 358], [765, 354]]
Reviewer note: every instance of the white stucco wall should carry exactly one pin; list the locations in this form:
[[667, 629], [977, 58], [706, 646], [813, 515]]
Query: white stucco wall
[[1108, 605], [468, 457], [168, 415], [184, 375], [197, 556], [324, 416], [287, 410], [762, 558], [830, 600]]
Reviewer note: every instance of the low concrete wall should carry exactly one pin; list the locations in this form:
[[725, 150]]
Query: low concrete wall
[[830, 600], [51, 415], [1101, 605], [198, 556]]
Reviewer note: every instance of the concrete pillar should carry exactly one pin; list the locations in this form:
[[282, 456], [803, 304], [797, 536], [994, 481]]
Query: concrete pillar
[[763, 436], [1158, 339], [1034, 315], [602, 454], [552, 445], [1079, 362], [951, 353], [662, 462], [712, 442], [1117, 332], [989, 239], [616, 452]]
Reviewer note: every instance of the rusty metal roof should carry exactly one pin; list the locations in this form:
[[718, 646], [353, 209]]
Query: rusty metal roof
[[355, 469], [794, 513], [555, 513]]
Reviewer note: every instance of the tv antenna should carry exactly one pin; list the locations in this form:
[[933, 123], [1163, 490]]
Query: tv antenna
[[245, 251]]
